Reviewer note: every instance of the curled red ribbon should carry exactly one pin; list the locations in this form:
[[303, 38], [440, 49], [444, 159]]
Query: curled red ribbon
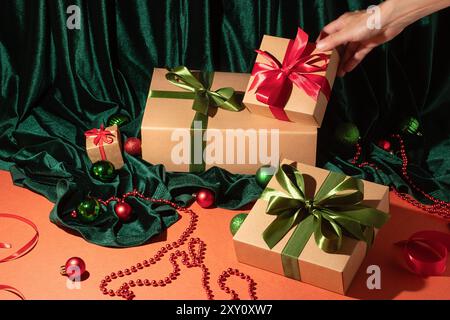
[[12, 290], [274, 80], [19, 253], [101, 136], [426, 252]]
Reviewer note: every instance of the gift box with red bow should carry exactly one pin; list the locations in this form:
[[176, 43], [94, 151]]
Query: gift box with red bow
[[104, 144], [291, 80]]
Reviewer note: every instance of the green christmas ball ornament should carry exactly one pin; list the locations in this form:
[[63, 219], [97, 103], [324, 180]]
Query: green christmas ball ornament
[[118, 119], [89, 210], [410, 125], [236, 222], [264, 174], [347, 134], [103, 170]]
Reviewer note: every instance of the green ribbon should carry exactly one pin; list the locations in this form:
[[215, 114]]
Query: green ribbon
[[334, 211], [205, 104]]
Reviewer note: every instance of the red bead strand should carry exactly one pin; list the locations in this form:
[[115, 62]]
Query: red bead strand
[[192, 258], [439, 207]]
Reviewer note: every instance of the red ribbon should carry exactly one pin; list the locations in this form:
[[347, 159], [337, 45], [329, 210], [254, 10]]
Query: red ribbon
[[19, 253], [101, 136], [273, 80], [12, 290], [426, 252]]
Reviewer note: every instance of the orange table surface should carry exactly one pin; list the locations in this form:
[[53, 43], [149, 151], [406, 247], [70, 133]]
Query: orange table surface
[[37, 276]]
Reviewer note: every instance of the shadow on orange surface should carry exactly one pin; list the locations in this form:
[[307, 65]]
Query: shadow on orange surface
[[396, 277]]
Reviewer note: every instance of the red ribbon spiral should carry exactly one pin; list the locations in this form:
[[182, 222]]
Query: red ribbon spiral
[[19, 253], [426, 252]]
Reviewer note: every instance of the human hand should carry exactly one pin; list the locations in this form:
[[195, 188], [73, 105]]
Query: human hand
[[357, 37]]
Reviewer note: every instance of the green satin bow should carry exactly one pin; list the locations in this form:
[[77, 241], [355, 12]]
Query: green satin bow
[[335, 209], [204, 99]]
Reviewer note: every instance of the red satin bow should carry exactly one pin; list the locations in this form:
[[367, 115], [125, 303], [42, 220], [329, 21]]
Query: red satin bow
[[426, 252], [101, 136], [19, 253], [273, 80]]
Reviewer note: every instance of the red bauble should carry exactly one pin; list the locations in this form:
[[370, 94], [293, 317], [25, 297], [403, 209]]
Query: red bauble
[[75, 266], [205, 198], [385, 145], [133, 146], [123, 210]]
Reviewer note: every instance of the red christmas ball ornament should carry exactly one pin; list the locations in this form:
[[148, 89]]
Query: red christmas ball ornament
[[123, 210], [74, 266], [205, 198], [385, 145], [133, 146]]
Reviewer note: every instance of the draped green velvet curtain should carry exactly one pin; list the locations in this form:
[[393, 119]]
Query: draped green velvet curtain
[[55, 83]]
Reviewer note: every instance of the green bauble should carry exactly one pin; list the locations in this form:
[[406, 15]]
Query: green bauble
[[347, 134], [103, 170], [236, 222], [263, 175], [118, 119], [410, 125], [89, 210]]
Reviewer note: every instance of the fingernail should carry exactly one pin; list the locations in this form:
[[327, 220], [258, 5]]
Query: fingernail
[[320, 45]]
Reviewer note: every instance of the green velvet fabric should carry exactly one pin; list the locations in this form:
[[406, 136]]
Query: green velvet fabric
[[55, 83]]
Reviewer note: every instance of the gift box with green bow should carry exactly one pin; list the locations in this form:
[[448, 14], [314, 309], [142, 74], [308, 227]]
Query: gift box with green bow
[[313, 225], [196, 120]]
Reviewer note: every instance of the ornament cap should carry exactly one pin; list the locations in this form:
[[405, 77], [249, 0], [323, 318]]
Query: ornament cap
[[62, 270]]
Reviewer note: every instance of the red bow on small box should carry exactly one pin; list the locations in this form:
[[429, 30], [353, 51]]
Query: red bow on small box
[[101, 136], [273, 80]]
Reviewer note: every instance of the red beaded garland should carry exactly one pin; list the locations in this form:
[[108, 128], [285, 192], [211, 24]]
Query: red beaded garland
[[439, 207], [192, 258]]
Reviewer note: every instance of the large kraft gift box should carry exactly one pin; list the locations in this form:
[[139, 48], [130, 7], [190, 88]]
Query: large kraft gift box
[[278, 61], [105, 144], [166, 129], [319, 263]]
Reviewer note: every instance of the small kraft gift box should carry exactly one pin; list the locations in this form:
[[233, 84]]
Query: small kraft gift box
[[291, 80], [104, 144], [313, 225], [196, 120]]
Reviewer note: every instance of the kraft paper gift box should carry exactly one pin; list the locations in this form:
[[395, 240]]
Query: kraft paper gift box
[[105, 144], [330, 267], [291, 80], [236, 141]]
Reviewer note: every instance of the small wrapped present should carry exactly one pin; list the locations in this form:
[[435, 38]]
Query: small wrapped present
[[104, 144], [318, 237], [195, 120], [291, 80]]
